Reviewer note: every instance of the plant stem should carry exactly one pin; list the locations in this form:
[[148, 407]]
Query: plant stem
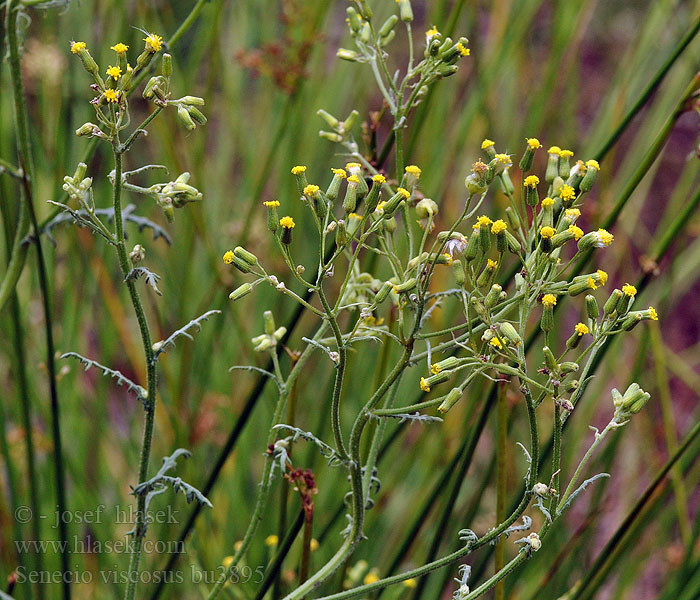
[[140, 525], [501, 480]]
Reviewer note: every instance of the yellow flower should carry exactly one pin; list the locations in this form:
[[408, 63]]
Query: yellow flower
[[410, 583], [272, 540], [578, 234], [572, 213], [354, 179], [413, 170], [435, 368], [353, 165], [566, 154], [653, 315], [487, 143], [114, 72], [498, 226], [547, 202], [228, 257], [581, 329], [504, 158], [111, 96], [227, 561], [531, 181], [463, 50], [371, 577], [591, 283], [547, 232], [549, 300], [313, 545], [298, 170], [404, 192], [534, 143], [603, 276], [272, 203], [340, 173], [593, 164], [483, 221], [629, 290], [448, 258], [311, 190], [491, 264], [495, 342], [567, 192], [554, 150], [287, 222], [603, 238], [119, 48], [354, 216], [424, 385], [379, 179], [76, 47], [153, 42], [432, 31]]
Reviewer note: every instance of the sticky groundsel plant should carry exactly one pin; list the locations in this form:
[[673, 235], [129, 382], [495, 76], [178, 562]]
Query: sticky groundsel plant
[[369, 223], [111, 86]]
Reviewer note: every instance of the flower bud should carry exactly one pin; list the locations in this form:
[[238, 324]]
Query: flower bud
[[269, 321], [526, 161], [458, 270], [240, 291], [350, 200], [450, 400], [372, 198], [592, 309], [383, 292], [509, 332], [549, 360], [472, 249], [406, 286], [493, 296], [610, 306], [486, 277], [568, 367], [245, 256], [184, 117], [137, 254], [272, 217], [552, 164], [564, 164], [405, 11], [341, 234], [592, 168]]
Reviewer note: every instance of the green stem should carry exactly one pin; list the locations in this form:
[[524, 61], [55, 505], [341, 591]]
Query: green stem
[[140, 525], [501, 479]]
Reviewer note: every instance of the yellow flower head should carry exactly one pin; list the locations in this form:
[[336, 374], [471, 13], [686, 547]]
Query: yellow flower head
[[604, 237], [566, 154], [354, 216], [424, 385], [287, 222], [547, 232], [340, 173], [227, 561], [499, 226], [76, 47], [432, 31], [119, 48], [496, 343], [653, 315], [153, 42], [578, 234], [572, 213], [504, 159], [379, 179], [272, 203], [298, 170], [483, 221], [448, 258], [549, 300], [534, 143], [435, 368], [354, 179], [603, 276], [591, 283], [567, 192], [114, 72], [272, 540], [593, 164], [463, 50], [371, 577], [581, 329], [228, 257], [556, 150], [410, 583], [413, 170], [479, 167], [491, 264], [111, 96], [380, 207], [487, 143], [629, 290], [311, 190], [404, 192], [547, 202], [313, 545], [531, 181]]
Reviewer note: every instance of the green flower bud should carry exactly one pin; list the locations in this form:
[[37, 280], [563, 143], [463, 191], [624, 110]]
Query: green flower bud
[[493, 296], [510, 333], [167, 65], [458, 270], [610, 306], [405, 11], [568, 367], [341, 234], [184, 117], [350, 200], [552, 171], [388, 26], [406, 286], [472, 249], [588, 180], [269, 321], [383, 292], [549, 360], [240, 291], [592, 309], [245, 256], [450, 400]]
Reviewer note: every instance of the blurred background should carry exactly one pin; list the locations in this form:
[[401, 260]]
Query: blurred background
[[564, 72]]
